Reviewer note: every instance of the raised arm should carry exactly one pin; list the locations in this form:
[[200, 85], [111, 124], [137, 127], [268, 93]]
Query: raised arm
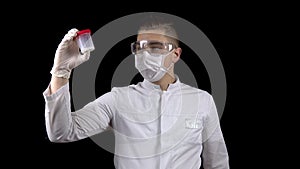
[[62, 124]]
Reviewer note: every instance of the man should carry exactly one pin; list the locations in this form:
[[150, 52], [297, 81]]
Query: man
[[158, 123]]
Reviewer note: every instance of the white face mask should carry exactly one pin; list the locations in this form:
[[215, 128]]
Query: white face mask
[[151, 67]]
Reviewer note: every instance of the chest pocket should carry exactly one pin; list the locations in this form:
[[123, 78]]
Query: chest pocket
[[193, 128]]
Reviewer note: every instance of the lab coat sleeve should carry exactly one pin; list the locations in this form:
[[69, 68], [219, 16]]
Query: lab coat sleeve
[[62, 125], [215, 155]]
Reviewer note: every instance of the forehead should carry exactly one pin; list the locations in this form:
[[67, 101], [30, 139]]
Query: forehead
[[152, 36]]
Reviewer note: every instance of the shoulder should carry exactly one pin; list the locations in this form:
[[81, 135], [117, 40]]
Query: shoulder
[[123, 90], [185, 88], [119, 89]]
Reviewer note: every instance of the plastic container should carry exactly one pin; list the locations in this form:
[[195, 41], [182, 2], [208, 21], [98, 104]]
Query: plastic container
[[84, 40]]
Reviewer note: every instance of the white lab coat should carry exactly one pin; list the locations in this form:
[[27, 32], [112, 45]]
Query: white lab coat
[[153, 129]]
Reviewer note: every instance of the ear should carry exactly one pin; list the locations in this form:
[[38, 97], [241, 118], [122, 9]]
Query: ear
[[177, 54]]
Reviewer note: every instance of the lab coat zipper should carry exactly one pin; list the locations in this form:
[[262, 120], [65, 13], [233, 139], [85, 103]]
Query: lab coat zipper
[[161, 127]]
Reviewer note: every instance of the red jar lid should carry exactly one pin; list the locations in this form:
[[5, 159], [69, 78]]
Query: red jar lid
[[83, 32]]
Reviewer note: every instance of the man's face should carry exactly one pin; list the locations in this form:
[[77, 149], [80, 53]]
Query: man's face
[[160, 38]]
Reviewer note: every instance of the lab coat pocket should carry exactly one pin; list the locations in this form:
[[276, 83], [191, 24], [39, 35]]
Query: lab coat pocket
[[193, 129]]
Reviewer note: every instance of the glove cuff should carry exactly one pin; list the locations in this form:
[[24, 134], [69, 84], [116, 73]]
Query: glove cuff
[[61, 73]]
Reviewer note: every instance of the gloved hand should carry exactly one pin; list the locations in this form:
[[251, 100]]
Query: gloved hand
[[68, 56]]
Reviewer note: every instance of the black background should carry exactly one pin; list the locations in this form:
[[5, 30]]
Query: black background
[[239, 32]]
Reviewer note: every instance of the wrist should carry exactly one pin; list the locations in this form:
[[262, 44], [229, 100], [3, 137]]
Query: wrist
[[62, 73], [56, 83]]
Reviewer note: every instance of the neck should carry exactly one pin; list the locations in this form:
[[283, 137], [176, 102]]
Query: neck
[[165, 81]]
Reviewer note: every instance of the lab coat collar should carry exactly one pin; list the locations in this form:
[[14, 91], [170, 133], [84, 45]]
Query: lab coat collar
[[172, 87]]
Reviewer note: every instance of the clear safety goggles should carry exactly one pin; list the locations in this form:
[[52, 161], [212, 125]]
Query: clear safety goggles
[[153, 47]]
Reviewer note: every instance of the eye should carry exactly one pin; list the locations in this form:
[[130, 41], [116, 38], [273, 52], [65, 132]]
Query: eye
[[151, 46], [156, 45]]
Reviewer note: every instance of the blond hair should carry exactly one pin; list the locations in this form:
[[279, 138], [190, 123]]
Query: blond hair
[[159, 26]]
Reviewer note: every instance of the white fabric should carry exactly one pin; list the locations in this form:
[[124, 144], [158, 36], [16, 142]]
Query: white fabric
[[154, 129], [151, 66]]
